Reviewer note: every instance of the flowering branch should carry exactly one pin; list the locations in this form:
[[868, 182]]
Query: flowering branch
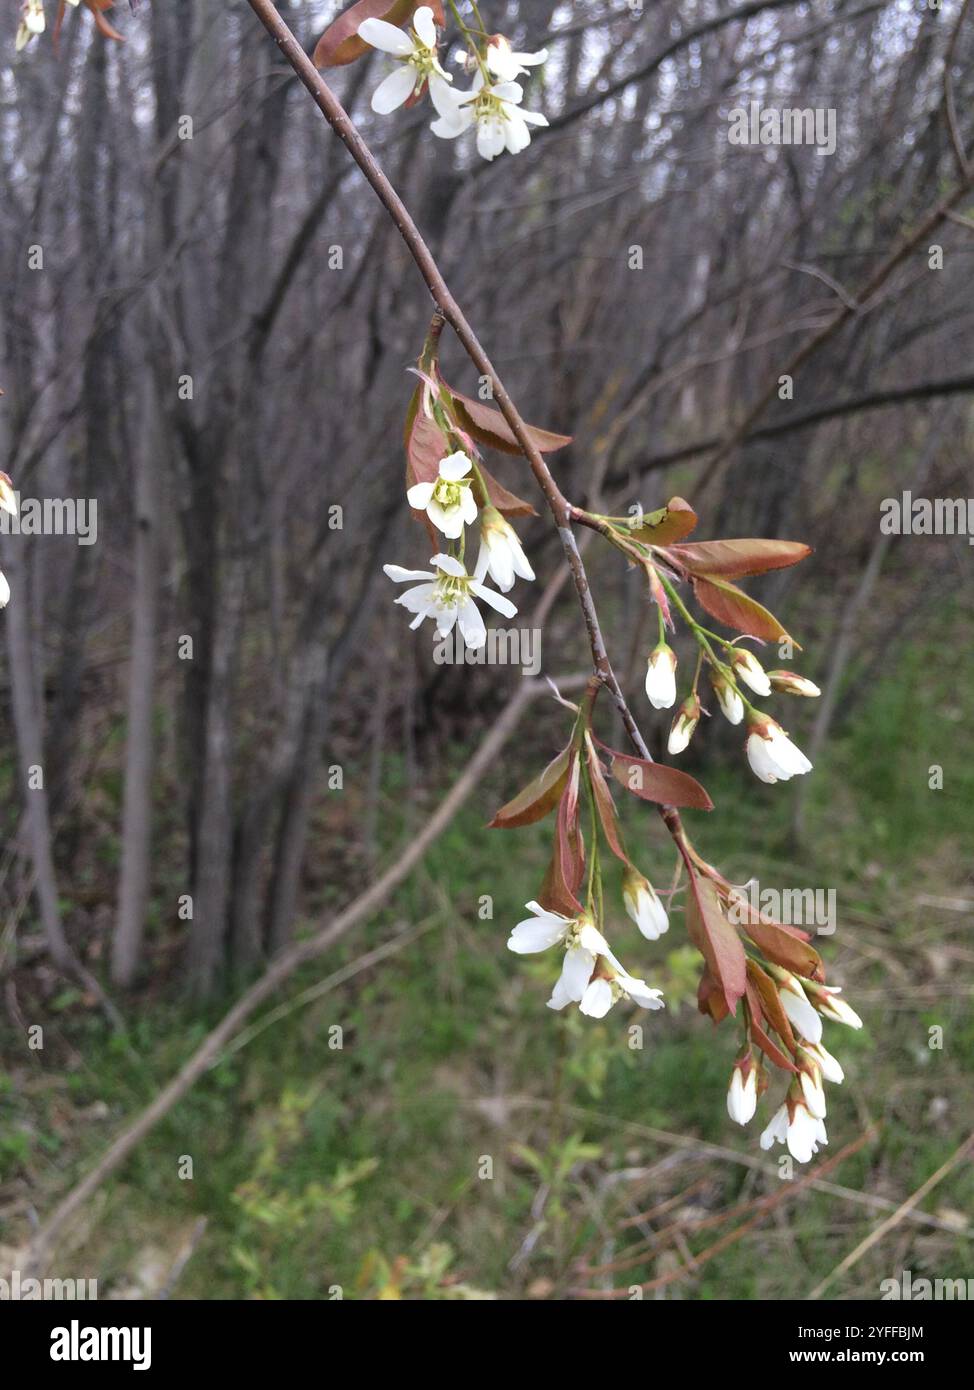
[[767, 968]]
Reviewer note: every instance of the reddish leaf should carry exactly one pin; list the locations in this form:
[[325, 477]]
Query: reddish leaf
[[715, 939], [771, 1004], [506, 502], [710, 998], [785, 947], [769, 1048], [670, 523], [733, 607], [667, 786], [603, 803], [340, 43], [567, 867], [735, 559], [537, 799], [489, 427]]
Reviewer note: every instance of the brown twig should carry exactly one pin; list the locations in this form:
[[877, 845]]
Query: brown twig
[[446, 305]]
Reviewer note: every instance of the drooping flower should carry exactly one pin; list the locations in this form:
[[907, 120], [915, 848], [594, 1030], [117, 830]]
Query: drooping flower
[[750, 670], [742, 1093], [447, 596], [794, 1124], [419, 64], [729, 700], [826, 1000], [661, 677], [602, 993], [505, 64], [643, 906], [501, 555], [831, 1069], [32, 22], [496, 113], [771, 753], [797, 1005], [789, 683], [681, 730], [448, 501], [810, 1079]]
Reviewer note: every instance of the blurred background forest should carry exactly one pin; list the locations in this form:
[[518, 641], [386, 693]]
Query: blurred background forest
[[213, 346]]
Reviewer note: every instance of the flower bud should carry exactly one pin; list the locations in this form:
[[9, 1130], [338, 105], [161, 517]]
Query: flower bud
[[742, 1093], [643, 906], [795, 1000], [730, 702], [771, 753], [788, 683], [661, 677], [681, 730], [750, 670], [826, 1000]]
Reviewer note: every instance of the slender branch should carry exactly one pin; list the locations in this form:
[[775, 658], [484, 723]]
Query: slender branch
[[339, 120]]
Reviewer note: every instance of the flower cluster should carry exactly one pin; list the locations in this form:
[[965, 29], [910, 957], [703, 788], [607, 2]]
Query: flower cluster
[[709, 566], [492, 106], [591, 976], [453, 491]]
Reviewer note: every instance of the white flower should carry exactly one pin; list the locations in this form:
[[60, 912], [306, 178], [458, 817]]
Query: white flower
[[681, 730], [788, 683], [728, 698], [4, 590], [495, 111], [796, 1005], [742, 1094], [661, 677], [602, 993], [501, 555], [799, 1129], [583, 942], [32, 22], [771, 753], [449, 501], [831, 1069], [751, 671], [505, 64], [585, 945], [8, 498], [417, 54], [810, 1077], [826, 1000], [643, 906], [448, 597]]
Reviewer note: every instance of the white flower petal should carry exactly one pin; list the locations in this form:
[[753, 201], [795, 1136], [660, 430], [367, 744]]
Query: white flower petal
[[449, 564], [419, 495], [424, 26], [393, 90], [597, 999], [379, 34], [400, 576], [455, 466], [503, 605]]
